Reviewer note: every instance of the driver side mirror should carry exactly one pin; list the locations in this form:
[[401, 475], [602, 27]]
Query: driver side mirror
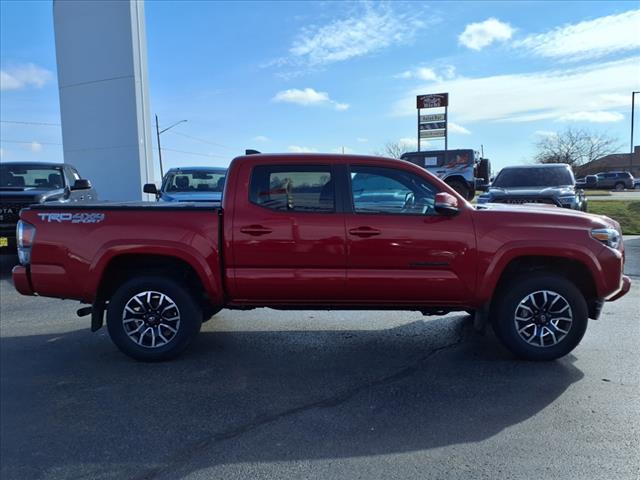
[[150, 188], [446, 204], [81, 184]]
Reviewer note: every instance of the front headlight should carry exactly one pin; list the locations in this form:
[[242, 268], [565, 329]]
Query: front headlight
[[609, 236]]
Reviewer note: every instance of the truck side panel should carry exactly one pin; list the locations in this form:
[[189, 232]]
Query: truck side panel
[[69, 259]]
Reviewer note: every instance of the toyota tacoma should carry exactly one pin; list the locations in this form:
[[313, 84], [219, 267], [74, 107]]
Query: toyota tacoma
[[323, 232]]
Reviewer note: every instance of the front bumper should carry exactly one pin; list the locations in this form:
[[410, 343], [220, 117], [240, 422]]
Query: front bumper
[[625, 286], [21, 280]]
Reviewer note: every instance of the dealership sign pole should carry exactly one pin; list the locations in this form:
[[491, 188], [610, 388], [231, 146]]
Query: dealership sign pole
[[433, 126]]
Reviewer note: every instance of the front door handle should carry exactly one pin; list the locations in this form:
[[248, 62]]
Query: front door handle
[[255, 230], [364, 232]]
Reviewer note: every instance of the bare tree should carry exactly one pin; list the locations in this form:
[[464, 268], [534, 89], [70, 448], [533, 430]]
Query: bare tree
[[394, 150], [574, 147]]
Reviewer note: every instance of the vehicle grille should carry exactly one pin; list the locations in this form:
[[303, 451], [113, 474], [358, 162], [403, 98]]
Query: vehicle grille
[[522, 200]]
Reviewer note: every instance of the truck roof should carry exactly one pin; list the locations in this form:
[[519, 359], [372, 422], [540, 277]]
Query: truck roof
[[541, 165], [37, 164], [201, 168], [310, 158]]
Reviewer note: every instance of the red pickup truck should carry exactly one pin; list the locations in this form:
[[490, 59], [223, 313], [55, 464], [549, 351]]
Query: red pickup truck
[[324, 232]]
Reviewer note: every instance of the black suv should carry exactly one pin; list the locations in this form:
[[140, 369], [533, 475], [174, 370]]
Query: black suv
[[22, 184], [551, 184], [615, 180]]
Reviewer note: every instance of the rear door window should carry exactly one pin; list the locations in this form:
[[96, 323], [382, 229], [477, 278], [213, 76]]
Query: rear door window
[[297, 188]]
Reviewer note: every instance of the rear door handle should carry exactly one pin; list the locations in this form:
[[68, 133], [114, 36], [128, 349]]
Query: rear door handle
[[255, 230], [364, 232]]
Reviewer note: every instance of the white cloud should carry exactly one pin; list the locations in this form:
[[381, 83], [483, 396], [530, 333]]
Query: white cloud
[[478, 35], [35, 147], [261, 138], [23, 76], [592, 117], [588, 39], [420, 73], [410, 142], [372, 28], [307, 97], [455, 128], [362, 140], [2, 153], [299, 149], [545, 95]]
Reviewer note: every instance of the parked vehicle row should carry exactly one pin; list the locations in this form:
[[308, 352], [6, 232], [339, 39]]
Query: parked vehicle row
[[609, 181], [190, 184], [324, 232], [23, 184], [551, 184]]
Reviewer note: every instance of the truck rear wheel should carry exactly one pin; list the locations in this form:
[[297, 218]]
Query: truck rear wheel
[[153, 318], [540, 317], [461, 188]]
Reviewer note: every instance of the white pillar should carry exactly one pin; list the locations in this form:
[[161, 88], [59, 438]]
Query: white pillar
[[104, 101]]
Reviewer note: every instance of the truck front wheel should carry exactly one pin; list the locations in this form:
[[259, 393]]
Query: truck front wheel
[[153, 318], [540, 316]]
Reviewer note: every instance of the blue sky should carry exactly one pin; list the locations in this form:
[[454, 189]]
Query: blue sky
[[320, 76]]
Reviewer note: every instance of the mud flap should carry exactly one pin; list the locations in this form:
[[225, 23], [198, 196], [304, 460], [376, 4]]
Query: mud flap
[[97, 316]]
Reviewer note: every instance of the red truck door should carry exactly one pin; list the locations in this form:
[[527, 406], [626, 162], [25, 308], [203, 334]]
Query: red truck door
[[399, 249], [288, 239]]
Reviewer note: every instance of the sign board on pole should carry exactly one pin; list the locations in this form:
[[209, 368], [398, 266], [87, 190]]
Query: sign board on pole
[[438, 117], [432, 133], [433, 100], [433, 125]]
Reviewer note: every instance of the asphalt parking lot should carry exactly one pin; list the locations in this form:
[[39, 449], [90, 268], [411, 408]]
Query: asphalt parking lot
[[267, 394]]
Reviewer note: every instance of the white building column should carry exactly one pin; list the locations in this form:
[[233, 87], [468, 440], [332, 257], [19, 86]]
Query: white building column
[[104, 100]]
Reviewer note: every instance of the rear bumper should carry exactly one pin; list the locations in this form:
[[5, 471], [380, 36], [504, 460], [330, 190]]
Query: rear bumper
[[625, 285], [21, 280], [8, 241]]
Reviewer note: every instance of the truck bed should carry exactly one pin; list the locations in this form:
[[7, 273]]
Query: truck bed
[[77, 243]]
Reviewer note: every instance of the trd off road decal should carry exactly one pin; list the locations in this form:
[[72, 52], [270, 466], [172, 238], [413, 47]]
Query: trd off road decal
[[72, 217]]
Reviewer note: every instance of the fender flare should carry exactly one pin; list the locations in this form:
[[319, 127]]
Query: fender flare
[[489, 277]]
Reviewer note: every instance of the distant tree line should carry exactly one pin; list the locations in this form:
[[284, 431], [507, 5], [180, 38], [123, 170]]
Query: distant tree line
[[574, 147]]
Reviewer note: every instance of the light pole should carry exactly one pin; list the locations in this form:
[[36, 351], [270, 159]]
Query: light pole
[[633, 105], [158, 132]]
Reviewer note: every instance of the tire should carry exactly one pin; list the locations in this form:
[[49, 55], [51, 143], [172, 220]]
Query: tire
[[152, 334], [618, 187], [460, 187], [528, 290]]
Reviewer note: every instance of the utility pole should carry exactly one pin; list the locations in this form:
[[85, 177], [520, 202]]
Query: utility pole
[[633, 105], [158, 132]]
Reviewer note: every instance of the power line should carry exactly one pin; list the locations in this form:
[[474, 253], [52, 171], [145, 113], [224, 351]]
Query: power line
[[192, 153], [16, 122], [202, 140]]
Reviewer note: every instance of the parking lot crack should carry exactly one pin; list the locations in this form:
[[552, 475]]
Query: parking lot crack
[[195, 450]]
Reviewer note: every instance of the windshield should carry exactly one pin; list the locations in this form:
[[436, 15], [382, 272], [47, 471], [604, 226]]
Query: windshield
[[18, 176], [533, 177], [195, 181]]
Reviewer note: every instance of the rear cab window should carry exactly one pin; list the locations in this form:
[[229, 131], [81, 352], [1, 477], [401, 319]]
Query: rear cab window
[[293, 188]]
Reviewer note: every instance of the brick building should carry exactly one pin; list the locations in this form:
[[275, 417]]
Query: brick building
[[613, 162]]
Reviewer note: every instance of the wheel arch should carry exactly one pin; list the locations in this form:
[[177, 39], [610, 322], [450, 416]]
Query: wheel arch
[[120, 267], [577, 266]]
